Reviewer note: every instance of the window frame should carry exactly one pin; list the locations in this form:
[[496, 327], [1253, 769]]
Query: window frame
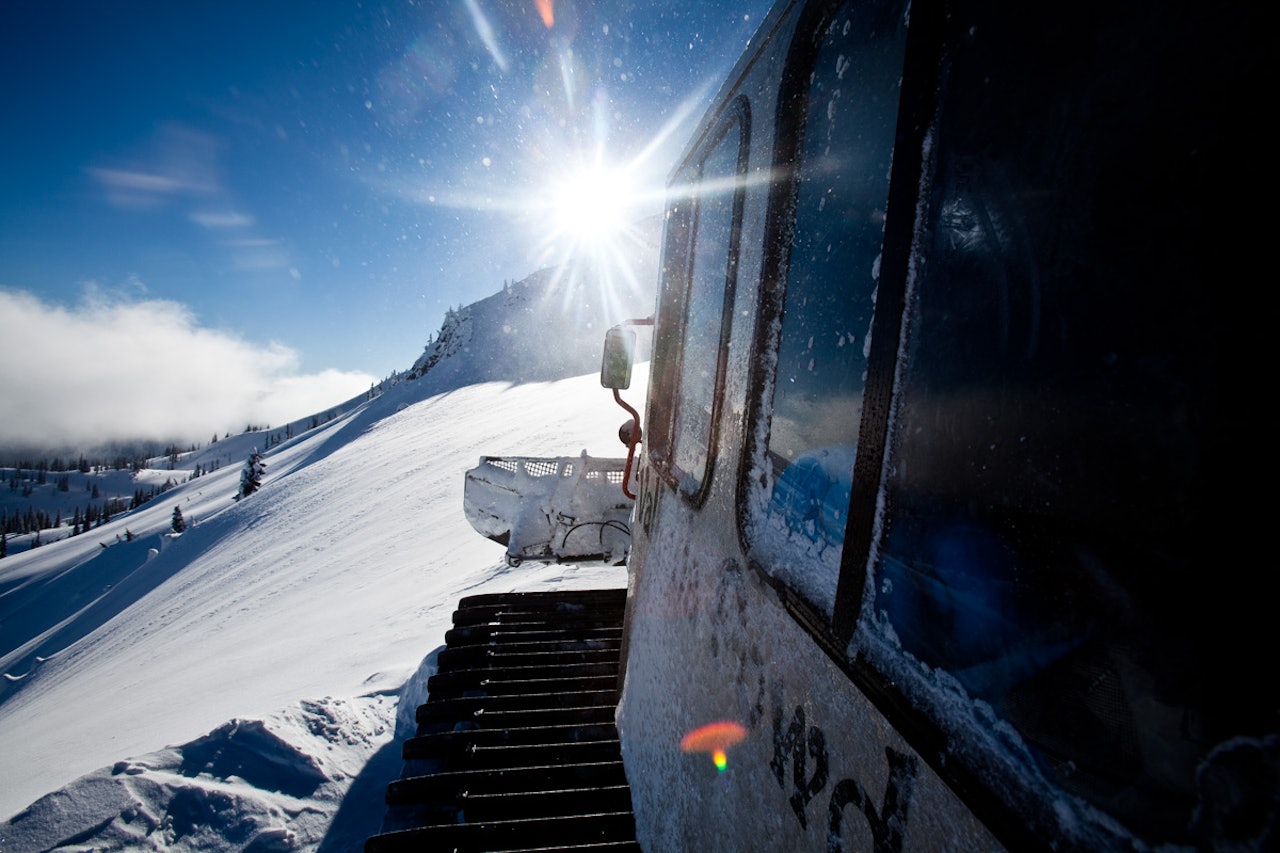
[[915, 107]]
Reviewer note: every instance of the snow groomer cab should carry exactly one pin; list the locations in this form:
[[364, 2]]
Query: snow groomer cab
[[950, 528]]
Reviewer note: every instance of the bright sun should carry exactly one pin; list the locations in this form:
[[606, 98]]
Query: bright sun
[[592, 207], [589, 218]]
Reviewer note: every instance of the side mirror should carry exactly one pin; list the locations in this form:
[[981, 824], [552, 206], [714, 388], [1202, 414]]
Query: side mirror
[[619, 350]]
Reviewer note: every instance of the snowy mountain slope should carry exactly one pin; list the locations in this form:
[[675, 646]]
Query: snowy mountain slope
[[233, 687]]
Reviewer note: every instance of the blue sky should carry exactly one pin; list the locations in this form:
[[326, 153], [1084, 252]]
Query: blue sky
[[311, 186]]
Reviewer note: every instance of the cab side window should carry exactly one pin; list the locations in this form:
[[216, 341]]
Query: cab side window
[[700, 275], [1050, 517], [802, 493]]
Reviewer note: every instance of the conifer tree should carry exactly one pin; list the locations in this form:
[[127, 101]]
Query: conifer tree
[[179, 523], [251, 475]]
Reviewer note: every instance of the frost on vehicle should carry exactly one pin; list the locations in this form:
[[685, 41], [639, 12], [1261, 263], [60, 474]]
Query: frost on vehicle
[[802, 484]]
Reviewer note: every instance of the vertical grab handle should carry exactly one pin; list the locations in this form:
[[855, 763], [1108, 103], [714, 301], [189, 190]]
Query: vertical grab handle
[[631, 444]]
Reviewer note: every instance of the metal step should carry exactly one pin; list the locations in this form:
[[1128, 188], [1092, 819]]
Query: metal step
[[516, 747], [492, 807], [509, 835], [508, 756], [533, 632], [458, 708], [521, 679], [509, 617], [455, 742], [474, 807], [506, 657], [484, 719], [532, 643], [450, 786], [553, 600]]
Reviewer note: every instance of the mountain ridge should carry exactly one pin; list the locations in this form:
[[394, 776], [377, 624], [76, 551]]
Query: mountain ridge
[[549, 325]]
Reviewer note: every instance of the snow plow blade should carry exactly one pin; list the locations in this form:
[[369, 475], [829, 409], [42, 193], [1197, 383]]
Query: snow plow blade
[[551, 509]]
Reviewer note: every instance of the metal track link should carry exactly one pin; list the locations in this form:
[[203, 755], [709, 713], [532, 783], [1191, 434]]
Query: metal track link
[[516, 748]]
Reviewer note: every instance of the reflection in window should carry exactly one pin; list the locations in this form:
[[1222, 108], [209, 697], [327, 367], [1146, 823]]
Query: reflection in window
[[842, 189], [1045, 539]]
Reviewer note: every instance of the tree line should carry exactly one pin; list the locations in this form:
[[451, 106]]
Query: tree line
[[80, 520], [127, 460]]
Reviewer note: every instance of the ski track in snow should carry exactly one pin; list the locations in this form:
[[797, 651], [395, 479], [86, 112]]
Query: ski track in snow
[[272, 638]]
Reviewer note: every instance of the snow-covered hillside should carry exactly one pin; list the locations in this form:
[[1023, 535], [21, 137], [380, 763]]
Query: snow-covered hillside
[[235, 687], [551, 324]]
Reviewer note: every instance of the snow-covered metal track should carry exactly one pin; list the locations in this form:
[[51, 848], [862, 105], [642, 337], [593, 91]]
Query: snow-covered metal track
[[516, 747]]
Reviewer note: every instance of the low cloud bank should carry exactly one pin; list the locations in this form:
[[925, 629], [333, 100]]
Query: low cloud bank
[[112, 370]]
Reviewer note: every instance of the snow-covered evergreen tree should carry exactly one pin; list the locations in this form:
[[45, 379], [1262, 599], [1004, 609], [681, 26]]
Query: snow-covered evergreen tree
[[455, 333], [178, 523], [251, 475]]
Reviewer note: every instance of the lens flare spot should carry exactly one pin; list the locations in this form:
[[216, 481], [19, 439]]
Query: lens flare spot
[[715, 738], [547, 12]]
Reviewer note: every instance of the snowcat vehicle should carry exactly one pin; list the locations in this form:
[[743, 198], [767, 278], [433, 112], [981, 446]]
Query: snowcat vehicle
[[948, 530]]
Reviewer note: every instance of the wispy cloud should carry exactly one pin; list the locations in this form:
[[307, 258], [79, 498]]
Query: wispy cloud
[[178, 170], [115, 369], [179, 162], [215, 219]]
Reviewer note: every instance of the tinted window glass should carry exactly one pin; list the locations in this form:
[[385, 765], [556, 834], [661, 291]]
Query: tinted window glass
[[672, 283], [831, 274], [1052, 494]]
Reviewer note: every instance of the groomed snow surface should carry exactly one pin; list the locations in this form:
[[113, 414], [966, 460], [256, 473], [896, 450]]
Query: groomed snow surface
[[235, 687]]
